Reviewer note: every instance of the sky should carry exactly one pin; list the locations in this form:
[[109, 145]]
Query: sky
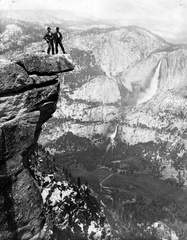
[[168, 18]]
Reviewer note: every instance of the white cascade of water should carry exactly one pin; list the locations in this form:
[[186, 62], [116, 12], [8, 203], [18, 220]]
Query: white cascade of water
[[152, 89]]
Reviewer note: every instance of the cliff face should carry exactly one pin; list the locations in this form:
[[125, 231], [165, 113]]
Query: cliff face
[[173, 71], [29, 91]]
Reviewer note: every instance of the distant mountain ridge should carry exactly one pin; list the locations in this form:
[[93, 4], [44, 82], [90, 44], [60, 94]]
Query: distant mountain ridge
[[62, 17]]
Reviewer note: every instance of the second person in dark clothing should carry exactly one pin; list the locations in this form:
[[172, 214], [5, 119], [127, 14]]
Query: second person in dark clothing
[[58, 40], [49, 37]]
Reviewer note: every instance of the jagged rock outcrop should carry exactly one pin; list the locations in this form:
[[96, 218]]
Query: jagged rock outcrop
[[29, 91]]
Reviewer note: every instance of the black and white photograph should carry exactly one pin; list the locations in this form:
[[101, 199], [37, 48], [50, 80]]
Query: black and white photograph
[[93, 120]]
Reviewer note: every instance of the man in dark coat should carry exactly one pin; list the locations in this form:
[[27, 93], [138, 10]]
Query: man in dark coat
[[58, 40], [49, 38]]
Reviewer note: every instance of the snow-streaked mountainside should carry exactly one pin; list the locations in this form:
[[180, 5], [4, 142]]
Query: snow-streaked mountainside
[[120, 124]]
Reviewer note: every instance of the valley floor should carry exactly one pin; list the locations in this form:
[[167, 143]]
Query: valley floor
[[132, 195]]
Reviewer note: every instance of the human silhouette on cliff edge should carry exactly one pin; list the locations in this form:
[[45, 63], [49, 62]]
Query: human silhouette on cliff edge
[[49, 38], [58, 40]]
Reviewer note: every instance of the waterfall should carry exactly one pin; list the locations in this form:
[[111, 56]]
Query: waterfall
[[152, 89]]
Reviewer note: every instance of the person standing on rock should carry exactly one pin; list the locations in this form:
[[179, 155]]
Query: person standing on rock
[[49, 38], [58, 40]]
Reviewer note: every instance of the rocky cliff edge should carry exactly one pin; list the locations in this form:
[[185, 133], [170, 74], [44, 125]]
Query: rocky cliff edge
[[29, 89]]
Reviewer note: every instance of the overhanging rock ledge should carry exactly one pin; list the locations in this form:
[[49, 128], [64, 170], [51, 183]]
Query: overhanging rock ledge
[[29, 88]]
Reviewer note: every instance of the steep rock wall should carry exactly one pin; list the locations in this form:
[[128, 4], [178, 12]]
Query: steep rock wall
[[173, 71], [29, 91]]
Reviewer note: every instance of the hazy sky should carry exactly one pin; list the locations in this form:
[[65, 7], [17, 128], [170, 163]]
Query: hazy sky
[[165, 17]]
